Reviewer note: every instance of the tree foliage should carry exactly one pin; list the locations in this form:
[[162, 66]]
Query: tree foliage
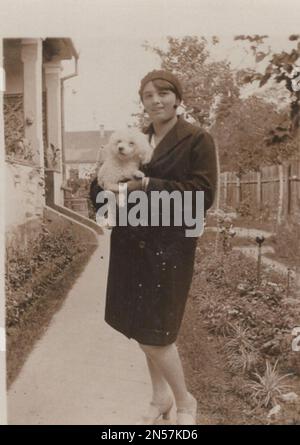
[[249, 132], [207, 84], [244, 135], [280, 68]]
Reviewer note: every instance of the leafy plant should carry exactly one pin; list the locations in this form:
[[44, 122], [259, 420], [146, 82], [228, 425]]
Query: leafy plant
[[240, 352], [268, 387], [240, 339], [243, 362], [31, 270]]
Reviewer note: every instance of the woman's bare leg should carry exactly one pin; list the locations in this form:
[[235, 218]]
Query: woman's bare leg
[[160, 386], [167, 360]]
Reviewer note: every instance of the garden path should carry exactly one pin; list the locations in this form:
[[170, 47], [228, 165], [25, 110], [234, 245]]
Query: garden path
[[82, 371]]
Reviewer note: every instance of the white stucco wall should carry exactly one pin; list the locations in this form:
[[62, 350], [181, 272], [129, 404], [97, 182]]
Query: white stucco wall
[[24, 192], [24, 195], [58, 193]]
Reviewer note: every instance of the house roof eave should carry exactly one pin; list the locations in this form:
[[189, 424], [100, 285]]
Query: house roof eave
[[62, 48]]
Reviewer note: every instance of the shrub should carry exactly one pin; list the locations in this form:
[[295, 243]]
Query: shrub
[[268, 387], [30, 271]]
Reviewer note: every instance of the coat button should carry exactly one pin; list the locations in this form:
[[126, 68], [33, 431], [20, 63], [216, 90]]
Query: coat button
[[142, 244]]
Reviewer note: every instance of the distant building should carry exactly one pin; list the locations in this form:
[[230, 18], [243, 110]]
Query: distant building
[[82, 150]]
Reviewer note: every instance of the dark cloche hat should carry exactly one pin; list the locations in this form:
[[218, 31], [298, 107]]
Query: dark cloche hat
[[164, 75]]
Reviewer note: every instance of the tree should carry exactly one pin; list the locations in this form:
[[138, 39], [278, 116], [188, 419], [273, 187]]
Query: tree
[[209, 87], [244, 132], [203, 80], [281, 69]]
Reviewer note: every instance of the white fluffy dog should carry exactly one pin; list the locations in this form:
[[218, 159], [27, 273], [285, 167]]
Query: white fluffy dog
[[122, 157], [126, 151]]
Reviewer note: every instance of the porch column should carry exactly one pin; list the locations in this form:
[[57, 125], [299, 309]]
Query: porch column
[[32, 58], [3, 415], [53, 71]]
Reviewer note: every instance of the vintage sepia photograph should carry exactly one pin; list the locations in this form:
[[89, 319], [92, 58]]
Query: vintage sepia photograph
[[150, 223]]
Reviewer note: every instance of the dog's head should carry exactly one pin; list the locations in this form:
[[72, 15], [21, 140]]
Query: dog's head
[[130, 143]]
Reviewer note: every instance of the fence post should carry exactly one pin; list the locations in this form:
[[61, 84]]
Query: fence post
[[285, 183], [266, 181], [288, 188], [225, 187], [281, 191], [218, 191], [259, 191], [238, 191]]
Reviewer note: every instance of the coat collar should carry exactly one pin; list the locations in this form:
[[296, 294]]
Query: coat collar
[[178, 132]]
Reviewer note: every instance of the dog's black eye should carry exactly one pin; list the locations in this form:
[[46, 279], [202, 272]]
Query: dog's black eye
[[131, 143], [118, 141]]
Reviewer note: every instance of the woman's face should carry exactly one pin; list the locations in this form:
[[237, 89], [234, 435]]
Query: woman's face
[[159, 103]]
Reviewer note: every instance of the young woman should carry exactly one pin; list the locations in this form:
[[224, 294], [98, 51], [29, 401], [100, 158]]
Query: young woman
[[151, 268]]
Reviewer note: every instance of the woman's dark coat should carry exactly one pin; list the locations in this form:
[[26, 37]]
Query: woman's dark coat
[[151, 268]]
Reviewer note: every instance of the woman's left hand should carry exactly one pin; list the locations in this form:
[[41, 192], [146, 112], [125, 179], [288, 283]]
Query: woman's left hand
[[134, 184]]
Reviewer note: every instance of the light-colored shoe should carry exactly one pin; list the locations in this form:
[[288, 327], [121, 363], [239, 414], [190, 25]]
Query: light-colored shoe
[[156, 411], [188, 415]]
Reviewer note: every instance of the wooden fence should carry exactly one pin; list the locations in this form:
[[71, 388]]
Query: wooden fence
[[275, 187]]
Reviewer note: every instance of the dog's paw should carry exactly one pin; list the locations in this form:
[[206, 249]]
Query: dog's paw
[[138, 174], [112, 187]]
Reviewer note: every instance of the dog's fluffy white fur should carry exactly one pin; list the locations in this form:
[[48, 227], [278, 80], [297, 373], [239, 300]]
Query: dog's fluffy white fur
[[126, 151]]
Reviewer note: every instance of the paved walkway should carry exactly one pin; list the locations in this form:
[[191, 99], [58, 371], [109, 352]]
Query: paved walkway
[[244, 232], [82, 371], [251, 234], [272, 264], [252, 251]]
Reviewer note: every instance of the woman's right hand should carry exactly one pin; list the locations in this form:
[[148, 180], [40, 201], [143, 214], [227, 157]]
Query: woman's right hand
[[113, 187]]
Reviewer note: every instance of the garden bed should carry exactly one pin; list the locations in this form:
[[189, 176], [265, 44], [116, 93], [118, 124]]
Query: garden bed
[[37, 281], [231, 329], [259, 221], [284, 239], [286, 244]]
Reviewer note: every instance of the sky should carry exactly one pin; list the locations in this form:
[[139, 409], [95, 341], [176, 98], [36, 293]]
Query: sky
[[109, 35]]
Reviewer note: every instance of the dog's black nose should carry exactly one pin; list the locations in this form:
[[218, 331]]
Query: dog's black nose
[[121, 148]]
